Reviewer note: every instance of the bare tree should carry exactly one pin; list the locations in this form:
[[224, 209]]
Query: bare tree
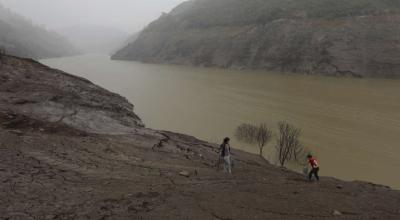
[[264, 135], [254, 134], [288, 145]]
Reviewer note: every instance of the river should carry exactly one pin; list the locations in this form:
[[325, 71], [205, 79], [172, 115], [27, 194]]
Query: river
[[351, 125]]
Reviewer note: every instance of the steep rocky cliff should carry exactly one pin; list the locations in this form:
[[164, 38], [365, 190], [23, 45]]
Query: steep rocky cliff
[[359, 38], [72, 150]]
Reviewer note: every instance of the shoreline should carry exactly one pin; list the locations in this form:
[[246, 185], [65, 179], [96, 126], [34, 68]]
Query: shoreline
[[61, 160], [335, 114]]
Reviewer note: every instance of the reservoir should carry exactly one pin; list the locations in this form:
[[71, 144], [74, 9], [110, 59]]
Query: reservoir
[[351, 125]]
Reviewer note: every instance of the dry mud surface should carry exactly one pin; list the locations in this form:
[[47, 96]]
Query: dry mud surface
[[100, 162]]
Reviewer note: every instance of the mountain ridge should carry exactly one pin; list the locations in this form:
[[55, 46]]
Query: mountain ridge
[[20, 37], [338, 38]]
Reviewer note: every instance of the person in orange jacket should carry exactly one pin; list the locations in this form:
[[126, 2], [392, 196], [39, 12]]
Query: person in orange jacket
[[314, 167]]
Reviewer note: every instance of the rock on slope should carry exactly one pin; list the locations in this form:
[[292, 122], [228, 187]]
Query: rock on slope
[[72, 150], [357, 38], [20, 37]]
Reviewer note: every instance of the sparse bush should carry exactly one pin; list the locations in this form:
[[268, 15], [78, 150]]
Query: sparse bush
[[246, 133], [288, 144], [254, 134]]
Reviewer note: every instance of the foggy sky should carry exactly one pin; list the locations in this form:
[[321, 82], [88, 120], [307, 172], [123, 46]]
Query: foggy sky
[[128, 15]]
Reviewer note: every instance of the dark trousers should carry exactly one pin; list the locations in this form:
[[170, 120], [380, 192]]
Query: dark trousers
[[315, 172]]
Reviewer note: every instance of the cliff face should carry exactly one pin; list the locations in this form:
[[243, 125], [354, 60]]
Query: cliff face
[[358, 38], [72, 150]]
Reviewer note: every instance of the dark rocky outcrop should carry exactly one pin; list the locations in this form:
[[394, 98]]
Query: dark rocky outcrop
[[72, 150], [357, 38], [31, 89]]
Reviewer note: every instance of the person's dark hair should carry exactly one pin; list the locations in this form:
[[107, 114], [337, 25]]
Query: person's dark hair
[[309, 155], [226, 140]]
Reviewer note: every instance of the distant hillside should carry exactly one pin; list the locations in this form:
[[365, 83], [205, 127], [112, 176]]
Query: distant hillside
[[358, 38], [128, 41], [95, 39], [20, 37]]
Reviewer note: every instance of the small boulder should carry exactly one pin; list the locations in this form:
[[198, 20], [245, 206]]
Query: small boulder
[[50, 216], [18, 132], [184, 173], [336, 213], [89, 190]]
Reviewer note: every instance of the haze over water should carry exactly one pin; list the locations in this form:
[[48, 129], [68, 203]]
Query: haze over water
[[352, 125]]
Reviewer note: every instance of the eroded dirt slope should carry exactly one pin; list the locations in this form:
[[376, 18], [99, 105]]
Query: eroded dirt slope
[[63, 169]]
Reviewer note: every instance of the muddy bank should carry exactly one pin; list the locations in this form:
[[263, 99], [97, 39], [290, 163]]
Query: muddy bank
[[72, 150]]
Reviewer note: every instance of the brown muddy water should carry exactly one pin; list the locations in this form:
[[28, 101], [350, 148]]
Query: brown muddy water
[[351, 125]]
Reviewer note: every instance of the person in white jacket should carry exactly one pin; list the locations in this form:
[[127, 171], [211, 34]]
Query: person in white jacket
[[225, 154]]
